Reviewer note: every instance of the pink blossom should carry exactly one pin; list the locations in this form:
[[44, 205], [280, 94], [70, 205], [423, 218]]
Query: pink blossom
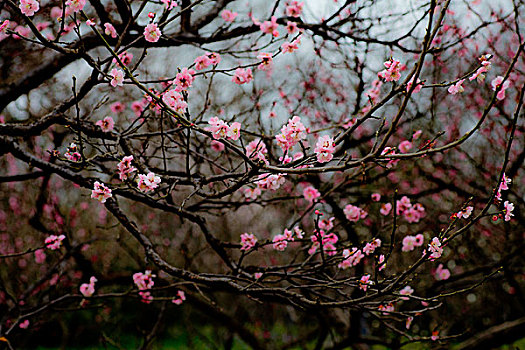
[[408, 322], [267, 61], [291, 133], [456, 88], [242, 76], [117, 77], [202, 62], [184, 79], [270, 27], [381, 262], [481, 72], [465, 213], [24, 324], [392, 71], [228, 15], [29, 7], [88, 289], [144, 280], [509, 207], [76, 5], [146, 297], [270, 181], [364, 282], [324, 149], [352, 258], [180, 298], [416, 134], [376, 197], [287, 47], [408, 243], [405, 146], [385, 209], [101, 192], [117, 107], [257, 150], [370, 247], [125, 168], [170, 4], [152, 33], [327, 240], [294, 9], [217, 146], [106, 124], [72, 153], [326, 224], [125, 57], [418, 87], [435, 249], [354, 213], [497, 83], [175, 100], [310, 193], [110, 30], [291, 27], [248, 241], [442, 274], [146, 183], [234, 131], [54, 242], [280, 243], [40, 256], [406, 291], [252, 193], [214, 57]]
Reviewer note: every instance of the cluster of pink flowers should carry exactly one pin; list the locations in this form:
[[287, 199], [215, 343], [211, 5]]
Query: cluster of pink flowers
[[310, 193], [410, 242], [152, 33], [387, 151], [365, 282], [266, 61], [117, 77], [101, 192], [76, 5], [184, 79], [180, 298], [498, 83], [509, 207], [248, 241], [144, 281], [270, 181], [392, 71], [351, 258], [465, 213], [328, 240], [110, 30], [175, 100], [228, 15], [280, 242], [29, 7], [269, 27], [204, 61], [125, 57], [324, 149], [354, 213], [386, 308], [456, 88], [146, 183], [54, 242], [291, 133], [125, 168], [257, 150], [88, 289], [72, 153], [435, 249], [419, 85], [441, 274], [294, 8], [503, 186], [412, 213], [370, 247], [252, 193], [242, 76], [485, 67], [106, 124], [220, 129], [326, 224]]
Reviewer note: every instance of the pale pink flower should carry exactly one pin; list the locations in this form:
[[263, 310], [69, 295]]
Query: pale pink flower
[[228, 15], [88, 289], [376, 197], [214, 57], [202, 62], [326, 224], [294, 9], [310, 193], [291, 27], [170, 4], [442, 274], [280, 243], [418, 87], [257, 150], [381, 262], [110, 30], [29, 7], [24, 324], [184, 79], [106, 124], [146, 183], [267, 61], [125, 168], [217, 146], [354, 213], [435, 249], [54, 242], [509, 207], [416, 134], [497, 83], [146, 297], [406, 291], [408, 243], [180, 298], [370, 247], [456, 88], [270, 27], [152, 33], [252, 193], [270, 181], [248, 241], [485, 67], [76, 5], [364, 282], [234, 131], [242, 76], [291, 133], [101, 192], [405, 146], [117, 77], [287, 47], [144, 280], [385, 209], [465, 213], [175, 100], [324, 149], [118, 107], [392, 71], [352, 258]]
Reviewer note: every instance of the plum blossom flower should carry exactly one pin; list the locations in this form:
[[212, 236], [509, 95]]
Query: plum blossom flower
[[101, 192], [291, 133], [252, 193], [354, 213], [385, 209], [88, 289], [72, 153], [234, 131], [146, 183], [110, 30], [326, 224], [170, 4], [125, 168], [280, 242], [479, 75], [175, 100], [184, 79], [370, 247], [418, 87], [441, 274], [406, 291], [435, 249], [327, 240], [324, 149], [405, 146], [497, 83], [228, 15], [465, 213], [291, 27], [410, 242], [106, 124], [392, 71], [310, 193], [117, 77], [248, 241], [503, 186], [4, 25], [266, 61], [29, 7], [152, 33], [294, 9], [456, 88], [180, 298], [24, 324], [364, 282], [270, 27], [144, 280], [54, 242], [202, 62], [509, 207], [270, 181], [257, 150], [242, 76], [287, 47], [352, 258], [376, 197], [76, 5]]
